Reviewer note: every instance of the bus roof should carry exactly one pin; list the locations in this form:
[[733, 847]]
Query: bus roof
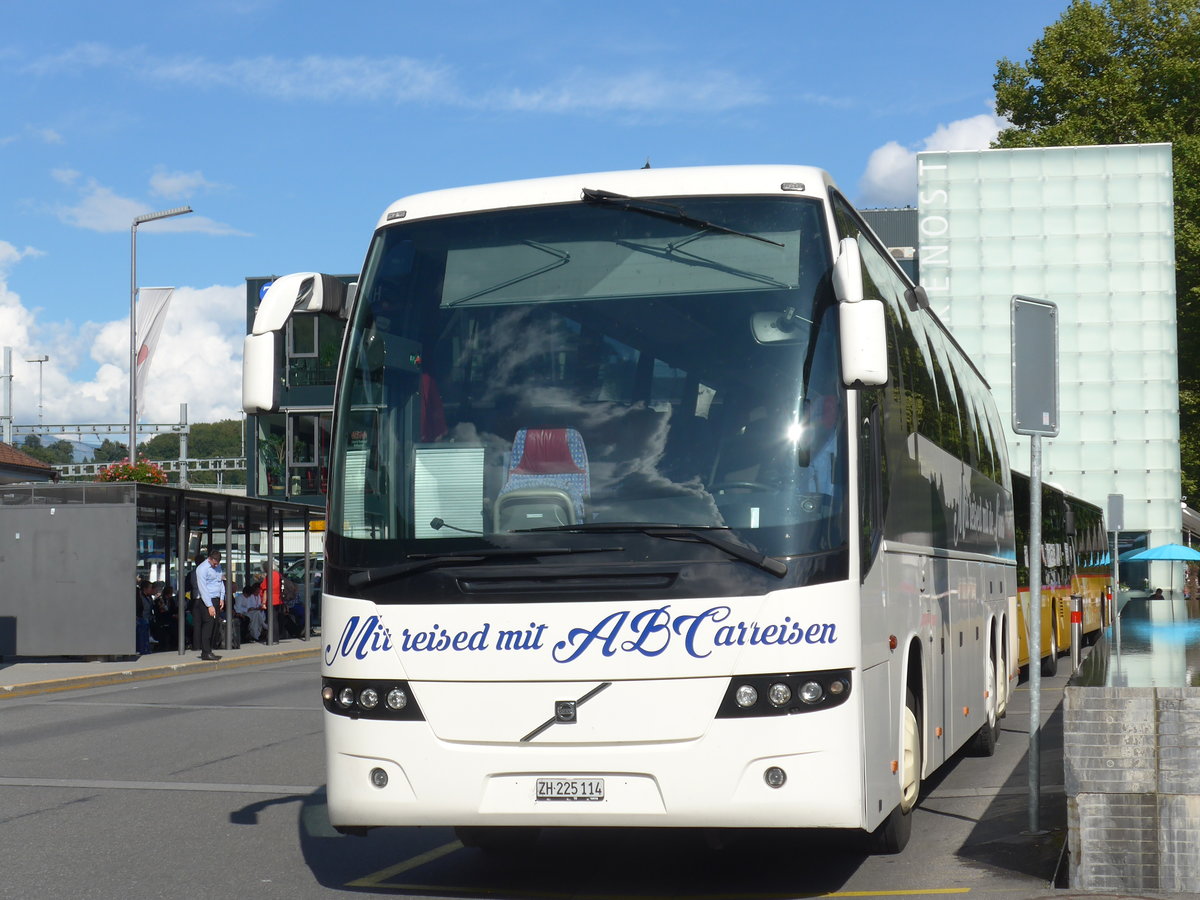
[[681, 182]]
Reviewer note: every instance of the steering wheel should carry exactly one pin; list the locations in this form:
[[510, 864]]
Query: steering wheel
[[739, 486]]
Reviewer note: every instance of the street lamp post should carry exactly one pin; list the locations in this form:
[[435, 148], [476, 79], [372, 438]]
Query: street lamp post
[[39, 360], [133, 348]]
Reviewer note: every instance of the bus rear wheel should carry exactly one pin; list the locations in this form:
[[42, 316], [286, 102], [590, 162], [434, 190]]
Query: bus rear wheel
[[893, 833], [1050, 663], [984, 741]]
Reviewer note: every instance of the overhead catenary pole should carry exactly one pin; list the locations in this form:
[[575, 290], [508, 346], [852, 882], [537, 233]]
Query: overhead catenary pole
[[7, 375], [39, 360], [133, 347]]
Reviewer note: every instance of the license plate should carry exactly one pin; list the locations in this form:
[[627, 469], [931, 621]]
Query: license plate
[[570, 789]]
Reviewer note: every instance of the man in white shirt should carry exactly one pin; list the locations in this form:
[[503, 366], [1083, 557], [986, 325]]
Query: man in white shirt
[[210, 583]]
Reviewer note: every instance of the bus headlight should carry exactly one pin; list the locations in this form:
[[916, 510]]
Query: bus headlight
[[811, 692], [746, 696], [368, 698], [779, 694], [786, 693]]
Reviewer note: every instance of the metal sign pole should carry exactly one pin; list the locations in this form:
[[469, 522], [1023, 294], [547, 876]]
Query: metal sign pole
[[1035, 413], [1035, 628], [1116, 521]]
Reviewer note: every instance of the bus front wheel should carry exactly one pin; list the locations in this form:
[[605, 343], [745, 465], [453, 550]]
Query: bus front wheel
[[892, 834]]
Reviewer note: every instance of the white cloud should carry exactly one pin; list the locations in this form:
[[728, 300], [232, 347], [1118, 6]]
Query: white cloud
[[10, 256], [198, 360], [16, 322], [100, 208], [178, 185], [46, 135], [310, 78], [43, 135], [890, 178], [322, 78], [402, 79], [642, 91]]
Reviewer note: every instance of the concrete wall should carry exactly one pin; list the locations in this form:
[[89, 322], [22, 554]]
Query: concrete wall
[[67, 580], [1132, 760]]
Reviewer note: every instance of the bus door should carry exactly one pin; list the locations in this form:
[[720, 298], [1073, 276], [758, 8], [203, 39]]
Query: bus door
[[934, 615]]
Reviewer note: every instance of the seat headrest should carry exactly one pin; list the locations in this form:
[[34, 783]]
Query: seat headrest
[[546, 452]]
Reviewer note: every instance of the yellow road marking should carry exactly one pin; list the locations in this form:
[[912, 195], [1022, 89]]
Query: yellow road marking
[[374, 880]]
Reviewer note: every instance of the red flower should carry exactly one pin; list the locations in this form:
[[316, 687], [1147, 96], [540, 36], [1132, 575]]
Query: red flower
[[143, 471]]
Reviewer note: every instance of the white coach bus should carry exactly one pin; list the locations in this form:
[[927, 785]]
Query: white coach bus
[[657, 498]]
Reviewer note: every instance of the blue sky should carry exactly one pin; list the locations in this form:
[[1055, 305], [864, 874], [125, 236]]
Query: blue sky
[[288, 127]]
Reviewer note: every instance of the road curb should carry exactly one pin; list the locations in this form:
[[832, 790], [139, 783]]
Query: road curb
[[127, 676]]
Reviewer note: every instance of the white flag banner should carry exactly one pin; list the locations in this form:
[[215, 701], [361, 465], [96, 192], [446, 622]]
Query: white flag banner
[[151, 313]]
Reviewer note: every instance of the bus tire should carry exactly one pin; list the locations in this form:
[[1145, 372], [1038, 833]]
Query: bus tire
[[983, 743], [493, 839], [1003, 682], [1050, 663], [892, 834]]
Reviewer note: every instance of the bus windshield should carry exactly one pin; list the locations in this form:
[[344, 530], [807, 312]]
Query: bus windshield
[[595, 366]]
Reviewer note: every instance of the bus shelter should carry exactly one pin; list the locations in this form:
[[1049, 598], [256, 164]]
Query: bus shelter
[[70, 555]]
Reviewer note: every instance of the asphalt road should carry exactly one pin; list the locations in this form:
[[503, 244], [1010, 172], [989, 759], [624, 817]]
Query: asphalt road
[[209, 785]]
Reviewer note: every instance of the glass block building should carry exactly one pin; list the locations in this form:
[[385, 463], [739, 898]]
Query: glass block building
[[1092, 230]]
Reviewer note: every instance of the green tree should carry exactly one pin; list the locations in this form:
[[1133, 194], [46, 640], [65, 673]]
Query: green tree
[[206, 440], [1126, 72], [110, 451], [59, 453]]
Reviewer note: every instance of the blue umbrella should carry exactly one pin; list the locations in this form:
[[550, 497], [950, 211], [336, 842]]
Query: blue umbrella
[[1166, 551]]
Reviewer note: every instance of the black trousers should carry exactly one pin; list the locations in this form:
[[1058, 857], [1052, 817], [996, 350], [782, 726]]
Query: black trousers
[[202, 629]]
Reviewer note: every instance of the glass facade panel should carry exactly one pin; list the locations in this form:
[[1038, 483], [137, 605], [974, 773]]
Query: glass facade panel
[[1090, 228]]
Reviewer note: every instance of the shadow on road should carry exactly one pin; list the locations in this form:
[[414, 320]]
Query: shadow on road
[[567, 862], [1000, 839]]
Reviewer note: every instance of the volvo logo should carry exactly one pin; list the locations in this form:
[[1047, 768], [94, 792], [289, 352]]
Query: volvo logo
[[566, 712]]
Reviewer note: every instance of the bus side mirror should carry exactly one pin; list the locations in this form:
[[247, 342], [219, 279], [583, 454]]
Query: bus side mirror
[[847, 272], [301, 292], [260, 379], [861, 322], [864, 343]]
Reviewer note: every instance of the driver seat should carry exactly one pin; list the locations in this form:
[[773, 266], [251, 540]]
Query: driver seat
[[547, 483], [751, 455]]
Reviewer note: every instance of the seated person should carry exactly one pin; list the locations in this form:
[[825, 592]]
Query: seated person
[[249, 611], [164, 625]]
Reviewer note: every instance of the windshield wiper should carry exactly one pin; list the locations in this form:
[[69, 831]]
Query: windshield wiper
[[422, 563], [697, 533], [668, 211]]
